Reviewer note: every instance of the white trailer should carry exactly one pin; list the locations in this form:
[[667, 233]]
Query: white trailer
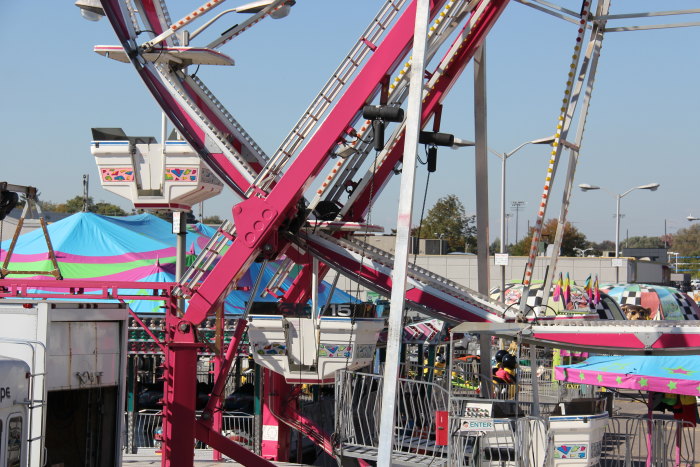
[[75, 353]]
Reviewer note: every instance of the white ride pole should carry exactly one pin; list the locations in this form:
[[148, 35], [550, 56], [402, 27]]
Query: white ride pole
[[403, 232]]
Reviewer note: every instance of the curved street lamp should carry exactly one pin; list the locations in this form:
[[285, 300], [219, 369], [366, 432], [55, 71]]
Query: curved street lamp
[[618, 197], [504, 157]]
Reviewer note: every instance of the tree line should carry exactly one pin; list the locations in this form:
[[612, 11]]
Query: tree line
[[447, 219], [77, 204]]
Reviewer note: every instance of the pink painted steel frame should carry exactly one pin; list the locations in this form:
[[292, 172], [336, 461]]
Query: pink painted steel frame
[[431, 108], [83, 289], [257, 218]]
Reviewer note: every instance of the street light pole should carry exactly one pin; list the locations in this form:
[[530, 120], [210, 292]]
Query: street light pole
[[504, 157], [617, 228], [618, 197]]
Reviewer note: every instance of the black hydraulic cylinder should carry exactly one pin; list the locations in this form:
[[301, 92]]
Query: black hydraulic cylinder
[[382, 112], [432, 159], [438, 139], [378, 129]]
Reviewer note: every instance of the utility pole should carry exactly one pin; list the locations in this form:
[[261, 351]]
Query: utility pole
[[86, 182], [516, 206]]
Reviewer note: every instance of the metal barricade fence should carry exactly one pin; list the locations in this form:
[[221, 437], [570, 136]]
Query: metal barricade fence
[[507, 443], [147, 425], [637, 441], [549, 389], [237, 427], [358, 407]]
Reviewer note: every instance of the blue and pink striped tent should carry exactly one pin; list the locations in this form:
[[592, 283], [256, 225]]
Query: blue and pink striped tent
[[138, 248]]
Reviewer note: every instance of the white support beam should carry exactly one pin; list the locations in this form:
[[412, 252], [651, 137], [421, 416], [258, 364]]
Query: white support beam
[[403, 232]]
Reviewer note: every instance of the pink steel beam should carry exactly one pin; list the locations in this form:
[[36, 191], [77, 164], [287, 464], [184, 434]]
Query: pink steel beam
[[177, 115], [81, 288], [228, 447], [687, 343], [307, 427], [155, 19], [257, 218], [179, 391], [375, 279], [222, 375], [431, 106], [256, 222], [147, 329]]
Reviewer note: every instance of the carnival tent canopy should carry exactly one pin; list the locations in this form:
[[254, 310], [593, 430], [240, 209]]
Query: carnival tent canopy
[[139, 248], [664, 302], [666, 374]]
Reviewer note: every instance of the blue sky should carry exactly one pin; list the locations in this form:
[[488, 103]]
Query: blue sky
[[642, 127]]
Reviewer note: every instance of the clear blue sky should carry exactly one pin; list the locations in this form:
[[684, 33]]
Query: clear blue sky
[[642, 128]]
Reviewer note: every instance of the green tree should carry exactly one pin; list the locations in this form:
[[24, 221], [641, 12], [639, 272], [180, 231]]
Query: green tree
[[108, 209], [644, 242], [75, 204], [599, 248], [49, 206], [572, 239], [213, 220], [687, 241], [447, 219]]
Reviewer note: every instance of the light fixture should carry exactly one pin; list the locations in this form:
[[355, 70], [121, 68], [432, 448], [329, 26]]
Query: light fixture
[[256, 7], [345, 150], [587, 187], [91, 10], [462, 143], [618, 197], [253, 7], [650, 187]]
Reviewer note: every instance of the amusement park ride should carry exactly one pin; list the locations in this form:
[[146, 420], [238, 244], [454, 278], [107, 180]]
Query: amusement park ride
[[354, 130]]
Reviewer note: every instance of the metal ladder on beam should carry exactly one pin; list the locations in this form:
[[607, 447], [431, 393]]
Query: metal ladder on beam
[[344, 170], [418, 273], [331, 90], [444, 24], [278, 278], [232, 124], [173, 82], [189, 282], [205, 260]]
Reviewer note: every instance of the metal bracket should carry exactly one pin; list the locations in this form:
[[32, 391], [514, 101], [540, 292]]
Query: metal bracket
[[648, 338], [252, 218]]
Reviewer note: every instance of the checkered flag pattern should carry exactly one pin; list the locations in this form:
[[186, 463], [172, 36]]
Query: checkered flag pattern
[[688, 306], [606, 308], [664, 302]]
